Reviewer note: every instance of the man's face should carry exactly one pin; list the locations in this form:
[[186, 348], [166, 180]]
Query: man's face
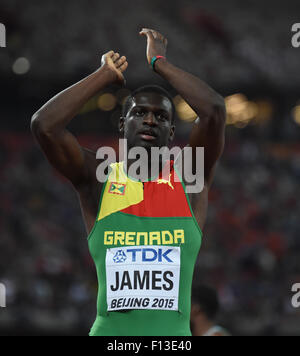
[[148, 121]]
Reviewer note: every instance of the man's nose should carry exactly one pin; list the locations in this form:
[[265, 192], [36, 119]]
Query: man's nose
[[150, 119]]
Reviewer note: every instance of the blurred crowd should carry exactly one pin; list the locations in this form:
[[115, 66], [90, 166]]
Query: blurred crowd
[[250, 250], [227, 43], [251, 241]]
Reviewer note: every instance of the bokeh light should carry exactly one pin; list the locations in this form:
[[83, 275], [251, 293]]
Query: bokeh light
[[240, 111], [21, 66], [184, 111], [107, 102], [296, 114]]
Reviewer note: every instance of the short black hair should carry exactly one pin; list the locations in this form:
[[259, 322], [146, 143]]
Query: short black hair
[[207, 299], [148, 89]]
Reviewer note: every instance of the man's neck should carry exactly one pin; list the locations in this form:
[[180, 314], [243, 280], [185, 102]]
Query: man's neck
[[144, 170]]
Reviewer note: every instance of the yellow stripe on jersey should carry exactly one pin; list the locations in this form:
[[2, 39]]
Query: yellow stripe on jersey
[[120, 192]]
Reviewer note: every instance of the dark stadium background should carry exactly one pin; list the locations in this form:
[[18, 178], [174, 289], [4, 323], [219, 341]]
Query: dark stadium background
[[251, 245]]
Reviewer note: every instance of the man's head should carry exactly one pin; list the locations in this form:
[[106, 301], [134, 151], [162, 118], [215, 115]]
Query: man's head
[[148, 117], [205, 304]]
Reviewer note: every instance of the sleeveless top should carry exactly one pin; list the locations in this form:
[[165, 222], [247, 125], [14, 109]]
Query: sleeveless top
[[144, 244]]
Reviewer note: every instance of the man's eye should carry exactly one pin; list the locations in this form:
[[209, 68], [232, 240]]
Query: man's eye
[[161, 117], [140, 113]]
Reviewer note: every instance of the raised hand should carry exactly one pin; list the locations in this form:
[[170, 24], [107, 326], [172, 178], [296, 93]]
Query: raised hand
[[116, 64], [156, 43]]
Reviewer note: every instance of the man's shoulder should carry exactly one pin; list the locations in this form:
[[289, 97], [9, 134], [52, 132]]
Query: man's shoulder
[[89, 153]]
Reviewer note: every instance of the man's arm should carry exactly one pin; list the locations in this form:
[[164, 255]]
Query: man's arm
[[208, 130], [49, 123]]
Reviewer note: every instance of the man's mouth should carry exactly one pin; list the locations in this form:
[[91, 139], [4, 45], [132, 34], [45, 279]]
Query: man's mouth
[[147, 135]]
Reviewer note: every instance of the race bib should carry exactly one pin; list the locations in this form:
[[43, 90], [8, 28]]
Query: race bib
[[142, 277]]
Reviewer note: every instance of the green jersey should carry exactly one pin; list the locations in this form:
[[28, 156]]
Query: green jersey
[[144, 243]]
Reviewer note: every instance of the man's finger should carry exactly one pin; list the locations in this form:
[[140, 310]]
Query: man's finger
[[115, 56], [160, 36], [123, 66], [147, 33], [155, 34], [110, 53], [147, 29], [120, 61]]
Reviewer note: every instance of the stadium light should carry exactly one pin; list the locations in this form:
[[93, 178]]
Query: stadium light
[[184, 111], [107, 102], [21, 66], [296, 114]]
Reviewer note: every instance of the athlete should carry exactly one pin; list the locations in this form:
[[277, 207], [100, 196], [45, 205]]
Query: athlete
[[205, 307], [144, 235]]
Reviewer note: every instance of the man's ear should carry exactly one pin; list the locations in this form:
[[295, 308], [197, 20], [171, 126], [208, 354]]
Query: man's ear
[[195, 310], [172, 133], [121, 124]]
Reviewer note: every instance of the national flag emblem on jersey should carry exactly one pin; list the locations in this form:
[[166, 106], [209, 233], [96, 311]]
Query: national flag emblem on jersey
[[117, 188]]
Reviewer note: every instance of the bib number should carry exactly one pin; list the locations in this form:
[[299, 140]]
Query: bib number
[[143, 277]]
